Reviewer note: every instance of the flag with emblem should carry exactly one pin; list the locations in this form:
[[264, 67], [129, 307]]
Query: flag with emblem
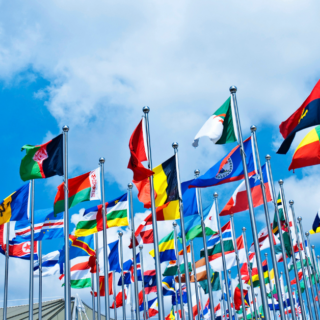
[[42, 161], [219, 128]]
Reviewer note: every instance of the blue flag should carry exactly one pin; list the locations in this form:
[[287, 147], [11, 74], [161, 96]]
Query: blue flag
[[114, 264]]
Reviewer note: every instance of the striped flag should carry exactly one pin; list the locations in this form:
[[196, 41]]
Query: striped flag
[[166, 248], [153, 309], [201, 271], [172, 267], [144, 233]]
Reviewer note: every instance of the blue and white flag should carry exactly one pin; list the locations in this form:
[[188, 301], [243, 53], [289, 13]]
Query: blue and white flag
[[50, 264]]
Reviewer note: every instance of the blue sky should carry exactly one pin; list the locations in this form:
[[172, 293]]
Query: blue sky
[[96, 66]]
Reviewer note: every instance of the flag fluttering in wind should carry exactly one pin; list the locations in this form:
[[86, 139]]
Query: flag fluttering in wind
[[43, 161], [228, 169], [50, 264], [153, 309], [166, 248], [201, 271], [91, 220], [219, 127], [82, 188], [171, 315], [306, 116], [144, 233], [16, 206], [168, 286], [102, 286], [315, 225], [150, 281], [119, 301], [172, 267]]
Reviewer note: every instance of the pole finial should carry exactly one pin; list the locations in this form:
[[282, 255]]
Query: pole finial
[[244, 229], [313, 246], [233, 89], [120, 233], [253, 128], [291, 202], [215, 195], [130, 185], [65, 128], [175, 145], [281, 182], [197, 172], [229, 271], [299, 219], [266, 254], [318, 257], [268, 157], [102, 160], [140, 246], [307, 234], [174, 224], [146, 109]]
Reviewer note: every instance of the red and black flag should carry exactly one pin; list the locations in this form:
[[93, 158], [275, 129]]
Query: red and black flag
[[306, 116], [42, 161]]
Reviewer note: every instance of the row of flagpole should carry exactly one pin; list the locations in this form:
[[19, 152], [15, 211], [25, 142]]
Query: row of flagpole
[[67, 289]]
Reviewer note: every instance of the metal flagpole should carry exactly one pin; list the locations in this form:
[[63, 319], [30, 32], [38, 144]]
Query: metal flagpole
[[249, 269], [31, 282], [309, 268], [114, 294], [270, 288], [267, 215], [283, 294], [122, 276], [315, 262], [183, 235], [215, 195], [136, 289], [98, 277], [251, 303], [232, 294], [224, 301], [309, 273], [201, 300], [314, 267], [285, 263], [179, 271], [40, 279], [145, 305], [176, 297], [161, 315], [67, 289], [291, 202], [131, 301], [6, 274], [233, 91], [105, 241], [195, 279], [199, 203], [93, 302], [284, 204], [238, 266]]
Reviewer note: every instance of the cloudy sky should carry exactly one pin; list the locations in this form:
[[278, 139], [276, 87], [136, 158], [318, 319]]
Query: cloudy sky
[[94, 65]]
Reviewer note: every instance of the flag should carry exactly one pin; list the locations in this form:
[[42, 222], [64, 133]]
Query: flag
[[139, 153], [50, 264], [119, 300], [308, 151], [82, 188], [153, 309], [281, 216], [166, 248], [201, 271], [126, 278], [306, 116], [189, 198], [168, 287], [239, 199], [265, 272], [184, 296], [16, 206], [219, 127], [171, 315], [141, 308], [83, 243], [46, 227], [195, 310], [144, 233], [228, 169], [315, 225], [206, 310], [43, 161], [150, 281], [172, 267], [263, 238], [102, 285], [91, 220], [113, 256], [215, 283]]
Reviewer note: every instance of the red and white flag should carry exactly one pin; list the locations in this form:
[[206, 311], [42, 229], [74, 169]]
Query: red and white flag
[[263, 239], [153, 310], [119, 301], [144, 233]]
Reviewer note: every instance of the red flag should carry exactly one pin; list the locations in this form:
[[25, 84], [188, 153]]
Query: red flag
[[102, 288], [138, 150], [144, 233], [119, 301]]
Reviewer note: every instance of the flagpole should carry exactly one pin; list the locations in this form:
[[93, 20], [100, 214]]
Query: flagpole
[[233, 91], [131, 300], [6, 274], [120, 233], [232, 294], [224, 302], [249, 269], [314, 267], [238, 265], [176, 297], [201, 300], [305, 278], [270, 288], [136, 289], [195, 278], [67, 289], [179, 271], [98, 277], [145, 305], [146, 111], [283, 294], [175, 146], [291, 202], [203, 227], [31, 280], [40, 280], [215, 195], [267, 215], [310, 273], [105, 241], [114, 293], [283, 198], [93, 302]]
